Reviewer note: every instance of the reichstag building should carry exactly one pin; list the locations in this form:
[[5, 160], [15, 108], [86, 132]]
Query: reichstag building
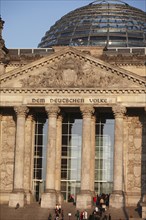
[[73, 111]]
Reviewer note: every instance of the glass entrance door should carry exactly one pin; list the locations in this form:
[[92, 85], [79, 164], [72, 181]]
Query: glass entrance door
[[69, 192], [71, 155], [39, 168], [104, 155]]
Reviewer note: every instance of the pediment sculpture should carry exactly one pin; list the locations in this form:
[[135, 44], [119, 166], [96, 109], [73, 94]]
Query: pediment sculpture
[[71, 72]]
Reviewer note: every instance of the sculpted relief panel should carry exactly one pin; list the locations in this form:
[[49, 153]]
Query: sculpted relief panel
[[7, 153], [72, 72], [134, 154]]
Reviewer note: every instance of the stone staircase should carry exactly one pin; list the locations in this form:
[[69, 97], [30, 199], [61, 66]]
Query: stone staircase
[[35, 212]]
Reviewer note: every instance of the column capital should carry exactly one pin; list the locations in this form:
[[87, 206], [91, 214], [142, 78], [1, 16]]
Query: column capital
[[1, 116], [93, 118], [60, 117], [87, 110], [52, 110], [119, 110], [21, 110], [30, 118]]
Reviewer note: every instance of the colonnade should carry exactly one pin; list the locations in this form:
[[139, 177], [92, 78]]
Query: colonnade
[[53, 172]]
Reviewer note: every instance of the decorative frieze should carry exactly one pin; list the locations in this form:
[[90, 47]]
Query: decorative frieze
[[109, 91]]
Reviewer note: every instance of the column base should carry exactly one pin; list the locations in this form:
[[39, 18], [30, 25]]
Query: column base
[[48, 200], [84, 200], [132, 198], [16, 198], [116, 200], [28, 197], [59, 198], [143, 205]]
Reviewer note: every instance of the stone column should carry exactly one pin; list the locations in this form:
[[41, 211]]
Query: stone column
[[49, 197], [17, 195], [92, 180], [28, 158], [58, 159], [84, 199], [116, 198]]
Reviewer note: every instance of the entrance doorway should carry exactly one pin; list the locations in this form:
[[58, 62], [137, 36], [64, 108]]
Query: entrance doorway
[[39, 168], [104, 150], [71, 155]]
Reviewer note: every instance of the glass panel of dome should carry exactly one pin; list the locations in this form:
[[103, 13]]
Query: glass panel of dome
[[79, 41], [66, 34], [117, 44], [103, 25], [134, 39], [112, 20], [82, 32], [98, 38], [117, 38], [133, 34], [85, 26], [117, 30], [100, 43]]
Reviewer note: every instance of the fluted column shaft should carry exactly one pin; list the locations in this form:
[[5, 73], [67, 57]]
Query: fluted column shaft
[[58, 153], [51, 148], [28, 151], [93, 120], [119, 112], [86, 148], [19, 152]]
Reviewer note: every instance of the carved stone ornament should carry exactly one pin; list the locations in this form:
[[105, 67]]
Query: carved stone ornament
[[119, 110], [7, 153], [52, 110], [21, 110], [86, 110], [72, 72]]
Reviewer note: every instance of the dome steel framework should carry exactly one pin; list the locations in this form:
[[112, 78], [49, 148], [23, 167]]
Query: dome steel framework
[[110, 23]]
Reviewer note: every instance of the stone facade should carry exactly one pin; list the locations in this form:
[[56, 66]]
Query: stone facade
[[7, 149], [71, 78]]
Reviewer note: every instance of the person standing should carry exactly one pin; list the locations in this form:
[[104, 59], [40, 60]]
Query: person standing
[[77, 215], [85, 215]]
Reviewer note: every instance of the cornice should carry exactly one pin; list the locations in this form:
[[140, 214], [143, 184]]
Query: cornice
[[46, 91], [72, 52]]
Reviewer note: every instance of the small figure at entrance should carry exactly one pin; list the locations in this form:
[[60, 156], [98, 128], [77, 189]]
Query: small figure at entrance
[[70, 198], [77, 215], [62, 215], [17, 206], [85, 215], [50, 217]]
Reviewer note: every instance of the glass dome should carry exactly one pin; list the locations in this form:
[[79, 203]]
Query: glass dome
[[110, 23]]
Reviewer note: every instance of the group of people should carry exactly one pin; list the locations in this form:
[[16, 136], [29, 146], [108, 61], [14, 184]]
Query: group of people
[[84, 215], [101, 203], [59, 214], [102, 199]]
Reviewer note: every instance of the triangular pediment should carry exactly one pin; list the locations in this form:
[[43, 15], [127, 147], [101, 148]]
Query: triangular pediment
[[70, 68]]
